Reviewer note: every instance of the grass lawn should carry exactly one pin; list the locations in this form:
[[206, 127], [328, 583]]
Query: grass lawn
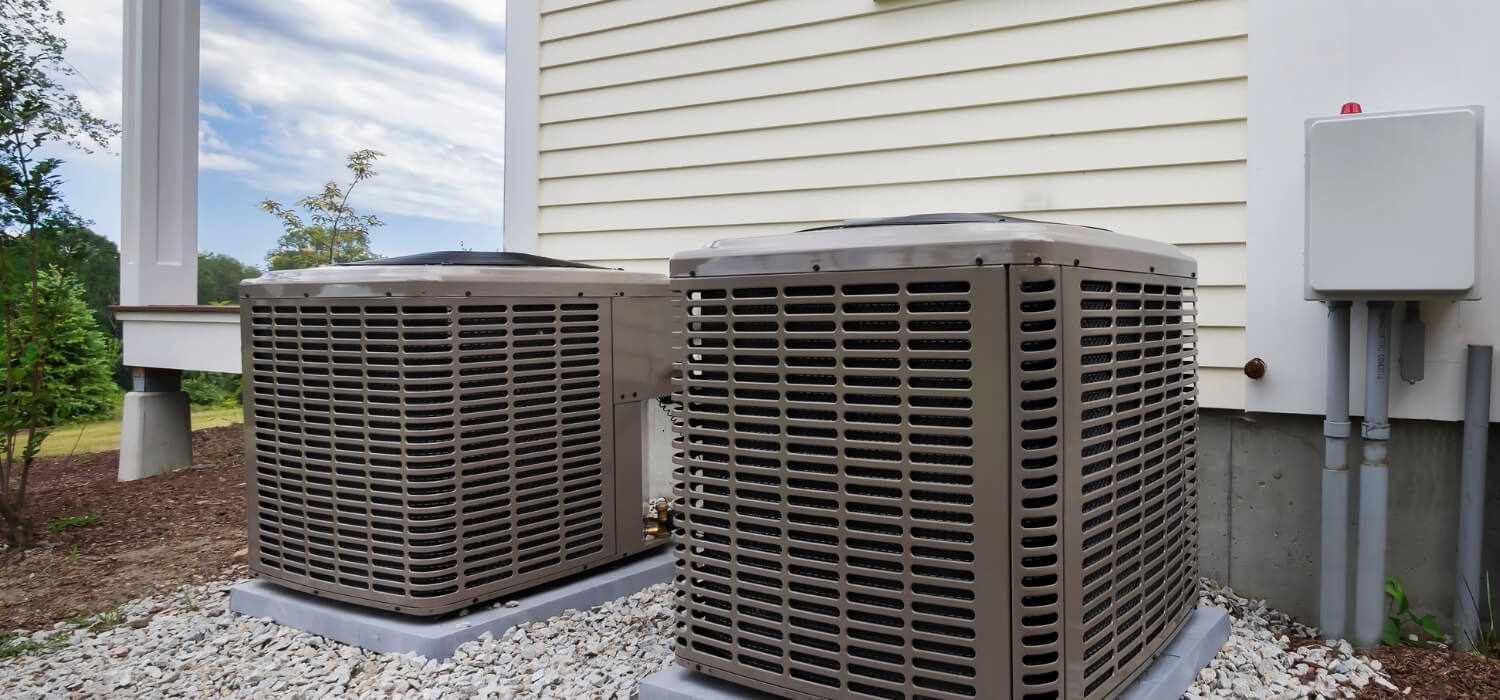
[[105, 435]]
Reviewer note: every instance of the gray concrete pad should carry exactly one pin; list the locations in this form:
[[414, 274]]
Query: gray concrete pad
[[1174, 669], [1168, 676], [436, 638], [679, 683]]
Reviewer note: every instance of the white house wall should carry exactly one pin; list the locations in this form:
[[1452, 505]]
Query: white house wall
[[1307, 59], [665, 125]]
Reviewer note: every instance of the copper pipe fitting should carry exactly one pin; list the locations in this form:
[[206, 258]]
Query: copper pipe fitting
[[658, 525]]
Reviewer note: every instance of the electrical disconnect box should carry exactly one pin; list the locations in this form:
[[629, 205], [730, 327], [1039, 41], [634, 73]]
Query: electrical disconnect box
[[1393, 204]]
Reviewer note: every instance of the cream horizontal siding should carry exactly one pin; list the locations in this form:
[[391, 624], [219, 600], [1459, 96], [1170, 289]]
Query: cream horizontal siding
[[1027, 44], [1114, 150], [763, 44], [558, 23], [1182, 104], [551, 6], [1086, 77], [1222, 387], [729, 22], [1171, 224], [1196, 183], [667, 125]]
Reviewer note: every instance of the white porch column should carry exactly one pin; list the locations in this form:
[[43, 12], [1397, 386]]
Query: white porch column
[[522, 86], [159, 216]]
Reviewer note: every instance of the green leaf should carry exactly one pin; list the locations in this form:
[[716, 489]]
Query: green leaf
[[34, 444], [1392, 634], [1396, 591], [1430, 626]]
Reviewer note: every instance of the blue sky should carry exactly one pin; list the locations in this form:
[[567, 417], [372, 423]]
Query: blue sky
[[288, 88]]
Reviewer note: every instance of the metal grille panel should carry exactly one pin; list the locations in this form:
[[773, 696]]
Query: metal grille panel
[[809, 415], [1131, 388], [1037, 486], [834, 433], [423, 455]]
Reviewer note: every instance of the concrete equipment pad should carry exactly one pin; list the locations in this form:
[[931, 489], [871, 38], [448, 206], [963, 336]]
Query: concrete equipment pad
[[1170, 674], [1167, 678], [436, 638]]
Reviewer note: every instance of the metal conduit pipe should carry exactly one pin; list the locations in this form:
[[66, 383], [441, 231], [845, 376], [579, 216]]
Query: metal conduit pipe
[[1471, 492], [1333, 592], [1369, 565]]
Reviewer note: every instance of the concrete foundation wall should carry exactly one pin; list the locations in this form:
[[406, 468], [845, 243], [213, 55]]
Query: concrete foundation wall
[[1260, 481]]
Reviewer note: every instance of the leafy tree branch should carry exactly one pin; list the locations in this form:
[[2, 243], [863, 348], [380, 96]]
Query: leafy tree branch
[[333, 231]]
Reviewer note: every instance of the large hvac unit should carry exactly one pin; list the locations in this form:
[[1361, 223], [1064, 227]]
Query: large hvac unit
[[943, 456], [427, 433]]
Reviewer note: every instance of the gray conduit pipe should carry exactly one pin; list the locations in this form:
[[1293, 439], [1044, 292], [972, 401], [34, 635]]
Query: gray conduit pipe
[[1471, 493], [1369, 564], [1333, 591]]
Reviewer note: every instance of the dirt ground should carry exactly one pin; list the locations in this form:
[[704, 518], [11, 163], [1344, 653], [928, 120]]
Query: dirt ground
[[151, 534], [1439, 674]]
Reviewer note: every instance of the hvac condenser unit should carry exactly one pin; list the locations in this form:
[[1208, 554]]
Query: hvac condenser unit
[[945, 456], [430, 432]]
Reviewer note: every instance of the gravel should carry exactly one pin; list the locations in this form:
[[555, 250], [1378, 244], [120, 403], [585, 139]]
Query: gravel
[[188, 644], [1270, 655]]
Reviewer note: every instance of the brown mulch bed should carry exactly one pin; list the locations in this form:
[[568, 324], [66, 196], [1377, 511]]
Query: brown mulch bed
[[1434, 673], [152, 534]]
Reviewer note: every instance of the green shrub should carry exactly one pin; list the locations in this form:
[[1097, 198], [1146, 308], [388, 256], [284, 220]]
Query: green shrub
[[211, 389], [79, 366]]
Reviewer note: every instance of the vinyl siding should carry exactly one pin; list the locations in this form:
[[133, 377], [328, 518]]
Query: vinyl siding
[[665, 125]]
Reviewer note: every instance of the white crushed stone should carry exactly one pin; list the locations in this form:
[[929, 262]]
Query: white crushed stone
[[1268, 656], [189, 644]]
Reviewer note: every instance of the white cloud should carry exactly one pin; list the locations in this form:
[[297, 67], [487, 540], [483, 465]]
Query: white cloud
[[225, 162], [209, 109], [95, 50], [322, 79], [214, 153], [208, 138], [304, 82]]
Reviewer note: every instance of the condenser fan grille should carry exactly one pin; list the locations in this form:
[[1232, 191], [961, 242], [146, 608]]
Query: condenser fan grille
[[830, 453], [935, 483], [422, 455], [1132, 506]]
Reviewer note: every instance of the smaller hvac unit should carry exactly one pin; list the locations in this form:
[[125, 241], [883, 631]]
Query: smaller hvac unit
[[430, 432], [944, 456]]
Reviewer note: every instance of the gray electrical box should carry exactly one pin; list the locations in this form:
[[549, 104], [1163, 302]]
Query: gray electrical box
[[1393, 204]]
